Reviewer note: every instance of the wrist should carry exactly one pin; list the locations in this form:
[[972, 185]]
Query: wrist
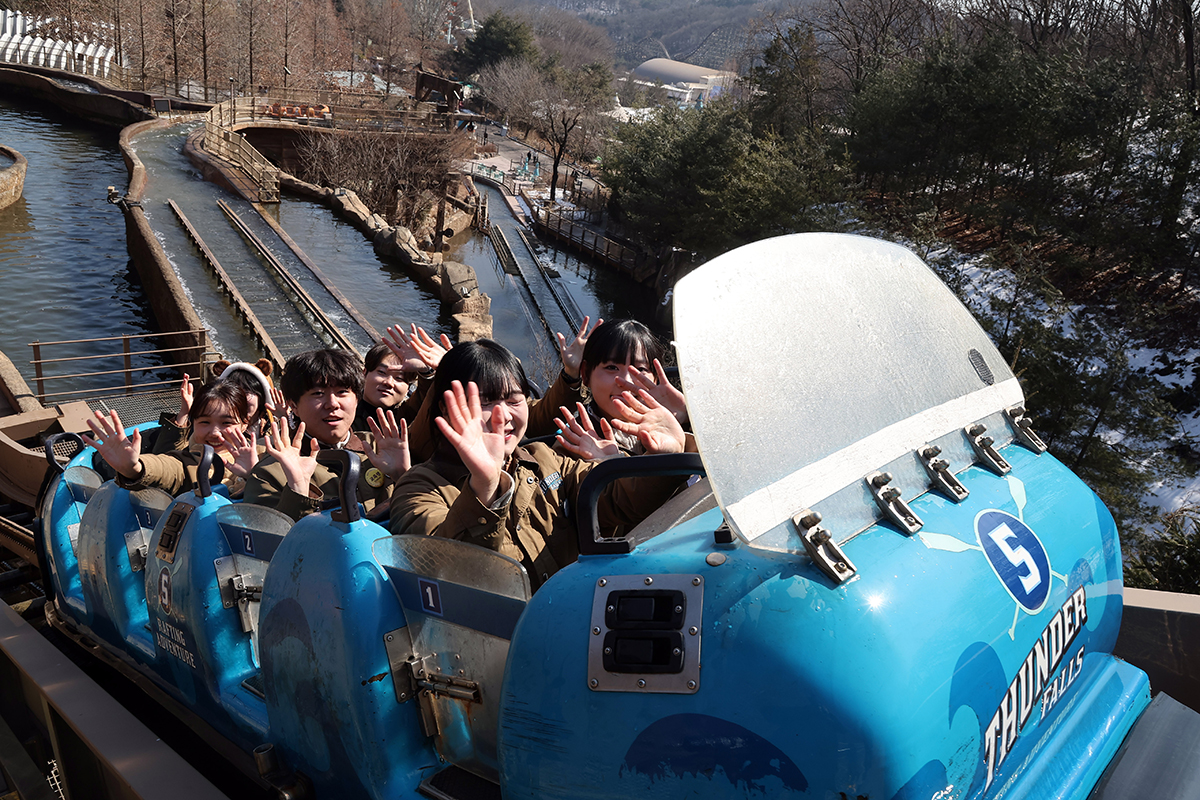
[[569, 377], [135, 472]]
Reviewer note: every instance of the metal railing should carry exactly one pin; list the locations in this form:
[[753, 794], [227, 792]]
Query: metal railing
[[233, 147], [134, 358]]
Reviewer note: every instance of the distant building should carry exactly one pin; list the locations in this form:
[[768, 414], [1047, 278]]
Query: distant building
[[685, 83]]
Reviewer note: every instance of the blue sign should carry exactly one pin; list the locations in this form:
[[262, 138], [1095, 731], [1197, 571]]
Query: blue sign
[[431, 596], [1017, 557], [248, 542]]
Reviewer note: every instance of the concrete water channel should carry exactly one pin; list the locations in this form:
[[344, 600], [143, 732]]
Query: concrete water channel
[[66, 273]]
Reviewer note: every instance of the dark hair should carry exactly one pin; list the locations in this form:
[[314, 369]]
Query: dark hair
[[375, 357], [227, 393], [490, 365], [251, 386], [321, 369], [621, 340]]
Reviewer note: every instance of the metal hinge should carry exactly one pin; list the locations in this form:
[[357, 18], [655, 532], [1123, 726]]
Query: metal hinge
[[890, 503], [821, 547], [942, 479], [1024, 429], [982, 445]]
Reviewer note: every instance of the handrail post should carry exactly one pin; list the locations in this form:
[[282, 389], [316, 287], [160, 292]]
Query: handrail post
[[37, 369], [203, 337], [128, 364]]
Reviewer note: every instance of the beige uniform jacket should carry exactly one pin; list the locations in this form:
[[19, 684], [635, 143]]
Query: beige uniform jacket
[[175, 473], [537, 524], [541, 416], [267, 485]]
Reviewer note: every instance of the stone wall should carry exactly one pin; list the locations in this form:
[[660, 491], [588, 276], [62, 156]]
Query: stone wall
[[105, 109], [12, 175], [172, 309]]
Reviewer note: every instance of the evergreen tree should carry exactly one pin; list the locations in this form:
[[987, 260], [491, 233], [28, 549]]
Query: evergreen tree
[[500, 38]]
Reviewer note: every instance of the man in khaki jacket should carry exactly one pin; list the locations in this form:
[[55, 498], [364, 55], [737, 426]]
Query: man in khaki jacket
[[323, 387]]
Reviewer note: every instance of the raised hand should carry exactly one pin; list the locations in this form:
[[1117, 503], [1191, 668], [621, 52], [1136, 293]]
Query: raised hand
[[580, 436], [663, 391], [122, 453], [298, 468], [416, 350], [243, 450], [389, 454], [644, 417], [572, 353], [278, 405], [186, 393], [478, 438]]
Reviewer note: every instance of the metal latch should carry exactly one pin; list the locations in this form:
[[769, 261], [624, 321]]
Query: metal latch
[[238, 590], [821, 547], [428, 685], [982, 445], [1024, 429], [940, 475], [138, 548], [890, 503]]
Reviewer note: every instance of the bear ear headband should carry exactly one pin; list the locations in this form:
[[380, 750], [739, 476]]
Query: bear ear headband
[[258, 375]]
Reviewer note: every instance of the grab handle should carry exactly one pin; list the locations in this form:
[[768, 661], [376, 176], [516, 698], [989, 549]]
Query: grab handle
[[346, 466]]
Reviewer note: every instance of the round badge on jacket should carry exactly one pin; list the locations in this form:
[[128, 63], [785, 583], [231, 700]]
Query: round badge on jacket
[[375, 477]]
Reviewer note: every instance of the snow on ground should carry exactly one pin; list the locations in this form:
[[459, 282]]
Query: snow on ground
[[982, 282]]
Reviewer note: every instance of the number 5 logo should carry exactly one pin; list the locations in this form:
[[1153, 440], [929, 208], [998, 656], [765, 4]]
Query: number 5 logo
[[1017, 557]]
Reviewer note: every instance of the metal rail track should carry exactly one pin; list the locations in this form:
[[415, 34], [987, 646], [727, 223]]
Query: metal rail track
[[314, 315], [239, 301], [565, 302]]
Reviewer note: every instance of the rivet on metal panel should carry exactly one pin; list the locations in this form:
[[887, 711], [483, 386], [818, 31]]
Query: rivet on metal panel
[[603, 582], [696, 581], [596, 631], [693, 630], [691, 684], [389, 637], [648, 580], [593, 683], [641, 683]]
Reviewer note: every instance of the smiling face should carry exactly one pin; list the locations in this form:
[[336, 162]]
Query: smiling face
[[513, 418], [212, 425], [609, 378], [327, 412], [385, 385]]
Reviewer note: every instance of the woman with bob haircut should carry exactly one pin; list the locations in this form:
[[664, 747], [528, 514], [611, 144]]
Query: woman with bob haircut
[[219, 418], [619, 357], [481, 486]]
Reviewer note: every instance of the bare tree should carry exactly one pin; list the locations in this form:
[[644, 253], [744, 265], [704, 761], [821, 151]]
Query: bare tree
[[571, 104], [176, 14], [513, 87], [427, 23]]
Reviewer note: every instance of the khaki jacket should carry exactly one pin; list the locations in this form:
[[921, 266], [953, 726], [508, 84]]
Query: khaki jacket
[[407, 409], [267, 485], [536, 526], [175, 473], [541, 416]]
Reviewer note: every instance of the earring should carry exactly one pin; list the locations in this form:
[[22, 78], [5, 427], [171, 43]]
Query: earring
[[585, 393]]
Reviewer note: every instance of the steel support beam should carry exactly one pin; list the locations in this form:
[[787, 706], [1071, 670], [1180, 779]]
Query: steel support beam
[[102, 750]]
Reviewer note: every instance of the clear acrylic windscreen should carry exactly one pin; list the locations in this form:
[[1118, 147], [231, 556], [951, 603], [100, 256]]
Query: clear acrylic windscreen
[[812, 359]]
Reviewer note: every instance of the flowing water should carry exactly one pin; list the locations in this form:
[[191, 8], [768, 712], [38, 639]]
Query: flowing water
[[65, 268]]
